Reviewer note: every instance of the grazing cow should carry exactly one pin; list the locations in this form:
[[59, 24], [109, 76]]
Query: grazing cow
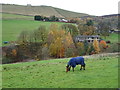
[[75, 61]]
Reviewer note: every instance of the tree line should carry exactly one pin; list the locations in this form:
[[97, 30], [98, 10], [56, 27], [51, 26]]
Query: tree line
[[57, 42], [43, 18]]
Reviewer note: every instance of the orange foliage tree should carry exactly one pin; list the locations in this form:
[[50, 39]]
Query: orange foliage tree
[[96, 46], [14, 52], [103, 44], [58, 41]]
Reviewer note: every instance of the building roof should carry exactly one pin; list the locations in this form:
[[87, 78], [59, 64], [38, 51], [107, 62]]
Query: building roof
[[84, 36]]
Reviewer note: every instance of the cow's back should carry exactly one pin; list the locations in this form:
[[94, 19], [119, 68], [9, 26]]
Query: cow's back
[[79, 60], [75, 61]]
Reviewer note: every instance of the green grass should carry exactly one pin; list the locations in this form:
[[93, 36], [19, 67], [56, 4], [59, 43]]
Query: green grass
[[12, 28], [99, 73], [40, 10], [113, 38], [15, 16], [66, 13]]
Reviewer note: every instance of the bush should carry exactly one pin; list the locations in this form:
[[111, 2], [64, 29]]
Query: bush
[[103, 44], [69, 52], [6, 60], [80, 48], [113, 48]]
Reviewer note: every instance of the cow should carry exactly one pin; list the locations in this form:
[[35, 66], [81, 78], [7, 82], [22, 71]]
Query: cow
[[75, 61]]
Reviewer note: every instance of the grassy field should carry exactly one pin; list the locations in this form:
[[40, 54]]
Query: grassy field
[[15, 16], [12, 28], [40, 10], [113, 38], [99, 73]]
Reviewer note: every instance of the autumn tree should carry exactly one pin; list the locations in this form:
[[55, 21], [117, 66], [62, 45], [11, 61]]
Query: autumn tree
[[81, 48], [70, 28], [38, 39], [23, 37], [81, 29], [73, 30], [10, 54], [103, 28], [23, 41], [57, 47], [86, 30], [58, 41], [31, 44], [96, 46], [91, 49], [103, 44]]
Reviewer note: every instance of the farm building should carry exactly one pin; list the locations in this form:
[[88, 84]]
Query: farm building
[[63, 20], [114, 31], [88, 38]]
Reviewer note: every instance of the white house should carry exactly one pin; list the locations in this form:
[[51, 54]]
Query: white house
[[88, 38]]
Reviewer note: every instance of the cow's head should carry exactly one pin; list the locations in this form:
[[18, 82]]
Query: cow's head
[[67, 68]]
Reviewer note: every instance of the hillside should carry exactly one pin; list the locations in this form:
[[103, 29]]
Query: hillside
[[99, 73], [12, 28], [8, 16], [38, 10]]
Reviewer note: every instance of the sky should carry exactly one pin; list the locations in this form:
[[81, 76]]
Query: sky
[[92, 7]]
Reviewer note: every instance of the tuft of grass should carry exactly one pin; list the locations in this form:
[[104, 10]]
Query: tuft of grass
[[51, 74]]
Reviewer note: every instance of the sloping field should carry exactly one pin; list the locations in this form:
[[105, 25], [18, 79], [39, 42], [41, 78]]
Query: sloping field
[[38, 10], [69, 14], [12, 28], [7, 16], [99, 73]]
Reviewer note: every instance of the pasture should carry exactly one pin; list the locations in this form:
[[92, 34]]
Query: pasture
[[8, 16], [40, 10], [112, 37], [99, 73], [12, 28]]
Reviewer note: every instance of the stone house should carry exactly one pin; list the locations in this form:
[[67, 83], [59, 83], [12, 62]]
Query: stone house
[[88, 38]]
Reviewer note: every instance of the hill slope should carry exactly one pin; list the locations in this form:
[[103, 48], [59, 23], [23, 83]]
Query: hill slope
[[38, 10], [99, 73]]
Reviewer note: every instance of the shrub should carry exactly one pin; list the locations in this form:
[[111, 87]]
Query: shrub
[[103, 44], [96, 46], [80, 48], [113, 48]]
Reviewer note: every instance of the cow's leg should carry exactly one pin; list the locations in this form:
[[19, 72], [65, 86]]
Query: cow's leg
[[81, 67], [73, 69], [69, 68]]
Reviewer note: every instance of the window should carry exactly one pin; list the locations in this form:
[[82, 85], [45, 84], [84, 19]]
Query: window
[[88, 40]]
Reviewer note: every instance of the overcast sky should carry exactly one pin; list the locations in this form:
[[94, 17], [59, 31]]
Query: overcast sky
[[92, 7]]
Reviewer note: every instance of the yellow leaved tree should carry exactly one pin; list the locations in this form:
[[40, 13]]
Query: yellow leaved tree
[[96, 46]]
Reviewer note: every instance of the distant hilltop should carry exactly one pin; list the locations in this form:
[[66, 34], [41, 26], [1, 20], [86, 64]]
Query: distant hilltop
[[39, 10], [111, 15]]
